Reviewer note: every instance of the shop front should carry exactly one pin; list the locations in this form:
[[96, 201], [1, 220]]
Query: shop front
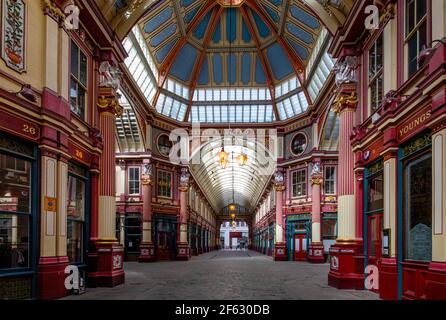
[[298, 236], [18, 217], [133, 235], [78, 216], [373, 212], [414, 215], [165, 234]]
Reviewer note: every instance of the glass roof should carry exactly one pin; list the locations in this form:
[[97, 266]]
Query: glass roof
[[234, 184], [229, 64]]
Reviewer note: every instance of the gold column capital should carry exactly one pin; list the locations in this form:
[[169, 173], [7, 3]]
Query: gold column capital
[[109, 104], [345, 102]]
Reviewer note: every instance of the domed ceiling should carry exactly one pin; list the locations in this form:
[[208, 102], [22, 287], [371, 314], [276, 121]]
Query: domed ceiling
[[239, 61], [230, 43]]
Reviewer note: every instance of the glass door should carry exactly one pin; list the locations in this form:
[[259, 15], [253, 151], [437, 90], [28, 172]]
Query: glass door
[[132, 236], [375, 226]]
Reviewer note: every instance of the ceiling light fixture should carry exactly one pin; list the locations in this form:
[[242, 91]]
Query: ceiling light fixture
[[223, 158]]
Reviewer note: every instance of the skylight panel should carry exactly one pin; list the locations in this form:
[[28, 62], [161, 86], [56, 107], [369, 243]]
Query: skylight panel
[[175, 109], [224, 95], [217, 117], [224, 113], [182, 112], [269, 113], [246, 113], [262, 111], [255, 94], [231, 113], [209, 95]]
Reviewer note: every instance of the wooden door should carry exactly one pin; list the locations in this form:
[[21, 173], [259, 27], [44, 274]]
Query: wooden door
[[300, 247]]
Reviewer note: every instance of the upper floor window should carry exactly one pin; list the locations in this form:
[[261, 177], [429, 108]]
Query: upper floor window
[[299, 181], [134, 180], [78, 86], [416, 32], [330, 180], [164, 183], [376, 74]]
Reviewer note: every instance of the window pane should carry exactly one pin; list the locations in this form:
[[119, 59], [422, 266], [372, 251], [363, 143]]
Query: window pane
[[329, 228], [418, 211], [83, 69], [74, 60], [15, 184], [14, 241], [76, 198], [413, 55], [375, 193], [74, 240], [81, 102]]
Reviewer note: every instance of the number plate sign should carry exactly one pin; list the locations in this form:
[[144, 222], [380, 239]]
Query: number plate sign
[[18, 126]]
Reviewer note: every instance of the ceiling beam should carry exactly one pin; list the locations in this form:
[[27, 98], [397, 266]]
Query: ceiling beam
[[165, 68], [269, 78], [196, 72]]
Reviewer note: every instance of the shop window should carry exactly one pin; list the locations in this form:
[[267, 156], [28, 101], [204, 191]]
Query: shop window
[[76, 217], [418, 209], [375, 192], [15, 212], [133, 233], [164, 183], [329, 228], [78, 86], [134, 181], [299, 183], [416, 32], [376, 74], [330, 180]]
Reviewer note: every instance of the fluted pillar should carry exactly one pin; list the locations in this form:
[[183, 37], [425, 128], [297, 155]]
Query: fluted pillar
[[346, 258], [107, 258], [279, 244], [316, 248], [182, 244], [147, 249]]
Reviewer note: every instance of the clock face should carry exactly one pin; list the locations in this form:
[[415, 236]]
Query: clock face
[[164, 145], [299, 144]]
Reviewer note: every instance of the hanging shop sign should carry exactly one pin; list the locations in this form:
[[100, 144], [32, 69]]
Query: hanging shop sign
[[19, 126], [373, 151], [414, 124], [13, 34]]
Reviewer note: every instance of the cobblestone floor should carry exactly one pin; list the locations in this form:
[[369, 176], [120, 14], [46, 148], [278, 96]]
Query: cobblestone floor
[[225, 275]]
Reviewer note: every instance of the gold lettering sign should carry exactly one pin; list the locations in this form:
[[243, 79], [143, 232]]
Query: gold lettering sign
[[413, 124]]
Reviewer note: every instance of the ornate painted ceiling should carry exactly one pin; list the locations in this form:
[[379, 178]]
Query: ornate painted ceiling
[[230, 43]]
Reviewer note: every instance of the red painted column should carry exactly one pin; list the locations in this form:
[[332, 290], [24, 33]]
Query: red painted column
[[147, 249], [346, 255], [183, 249], [316, 248], [279, 244], [107, 256]]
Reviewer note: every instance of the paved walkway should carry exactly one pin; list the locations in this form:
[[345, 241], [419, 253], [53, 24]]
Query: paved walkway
[[225, 275]]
